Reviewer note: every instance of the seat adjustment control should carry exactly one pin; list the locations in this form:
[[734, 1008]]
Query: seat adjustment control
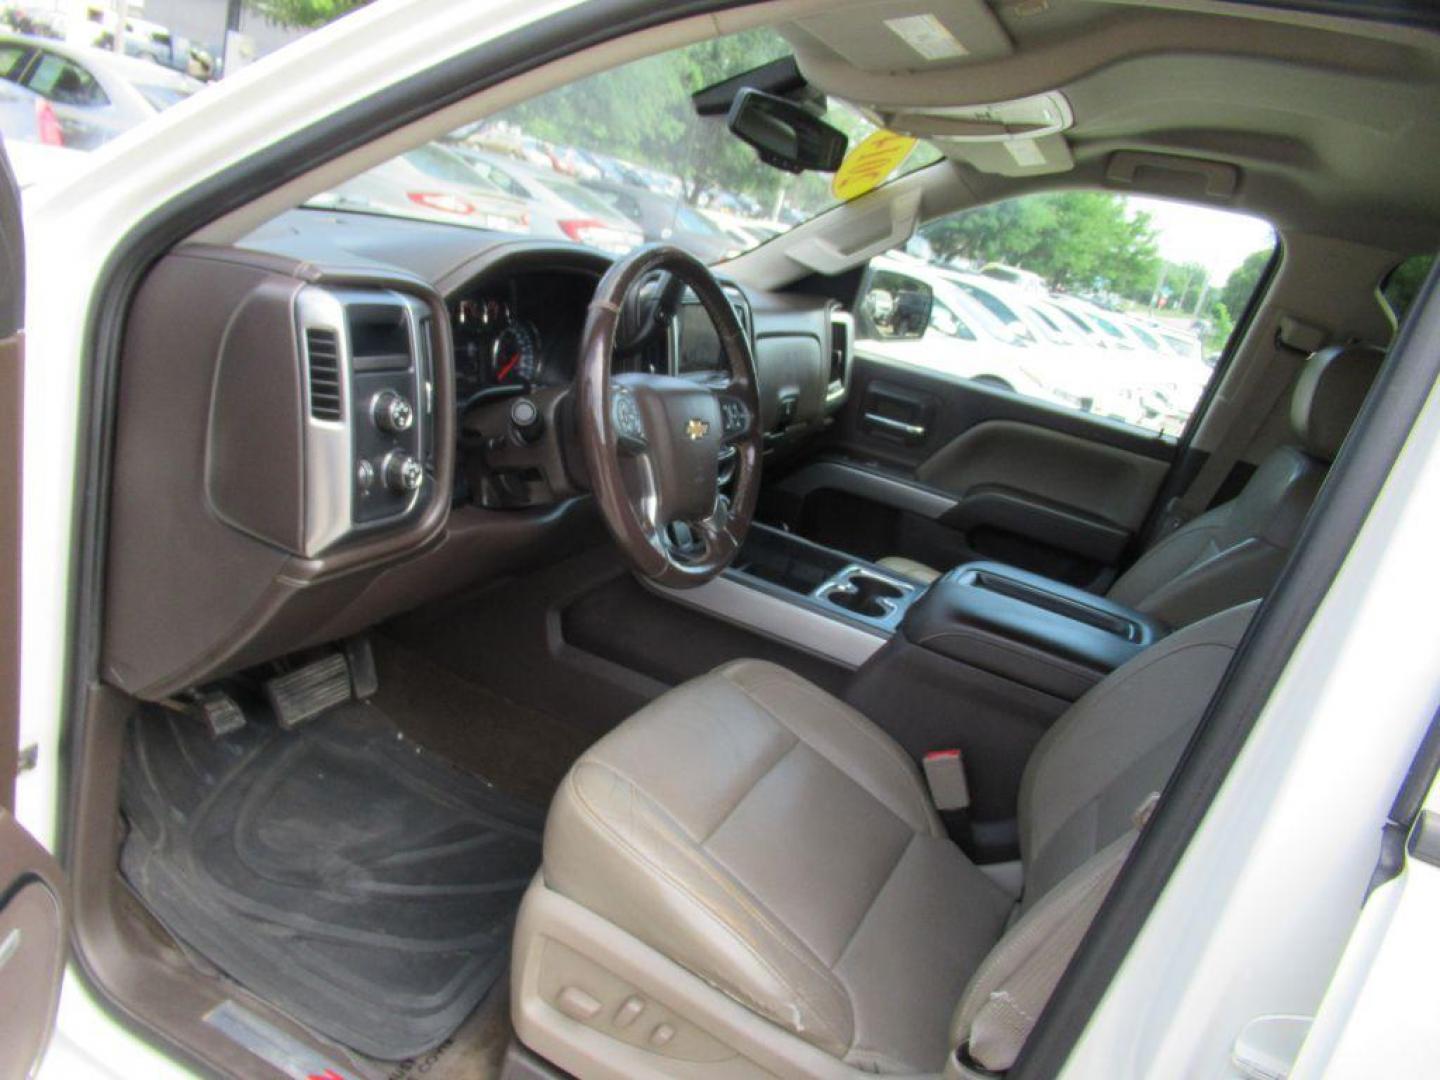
[[577, 1004], [392, 413], [402, 473]]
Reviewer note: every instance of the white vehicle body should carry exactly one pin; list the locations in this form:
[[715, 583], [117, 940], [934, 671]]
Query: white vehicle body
[[1266, 913]]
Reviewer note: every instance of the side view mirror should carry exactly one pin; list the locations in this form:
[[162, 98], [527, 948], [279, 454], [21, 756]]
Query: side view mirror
[[895, 307], [784, 134]]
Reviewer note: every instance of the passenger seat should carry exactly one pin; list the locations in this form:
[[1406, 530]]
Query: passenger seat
[[1233, 552]]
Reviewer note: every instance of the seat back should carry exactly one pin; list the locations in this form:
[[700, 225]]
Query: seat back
[[1234, 552], [1100, 764]]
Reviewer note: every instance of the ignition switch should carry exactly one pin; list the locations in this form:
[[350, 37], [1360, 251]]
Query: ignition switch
[[525, 421]]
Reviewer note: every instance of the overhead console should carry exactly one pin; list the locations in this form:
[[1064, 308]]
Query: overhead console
[[280, 441]]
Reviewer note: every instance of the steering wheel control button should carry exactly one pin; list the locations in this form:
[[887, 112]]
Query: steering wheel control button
[[403, 474], [526, 421], [628, 425], [364, 475], [734, 416], [392, 413]]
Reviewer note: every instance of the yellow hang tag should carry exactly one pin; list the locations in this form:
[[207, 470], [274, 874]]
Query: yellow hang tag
[[869, 164]]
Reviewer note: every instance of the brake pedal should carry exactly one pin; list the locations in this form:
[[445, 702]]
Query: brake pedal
[[306, 692]]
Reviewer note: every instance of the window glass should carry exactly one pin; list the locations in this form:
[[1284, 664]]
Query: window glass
[[947, 322], [1403, 284], [12, 60], [443, 165], [65, 83], [1146, 338], [162, 97], [1114, 305], [632, 137]]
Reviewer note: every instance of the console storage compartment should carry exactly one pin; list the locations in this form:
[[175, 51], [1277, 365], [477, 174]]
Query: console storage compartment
[[826, 580], [1026, 628]]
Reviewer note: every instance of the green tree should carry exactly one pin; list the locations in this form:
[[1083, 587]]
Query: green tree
[[1241, 283], [304, 13], [642, 113], [1403, 284], [1081, 241], [1220, 326]]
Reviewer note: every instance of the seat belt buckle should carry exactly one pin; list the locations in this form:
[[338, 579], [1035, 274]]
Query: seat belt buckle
[[1171, 518], [945, 775]]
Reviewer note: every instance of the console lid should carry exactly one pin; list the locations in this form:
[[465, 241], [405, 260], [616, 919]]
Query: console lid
[[1027, 628]]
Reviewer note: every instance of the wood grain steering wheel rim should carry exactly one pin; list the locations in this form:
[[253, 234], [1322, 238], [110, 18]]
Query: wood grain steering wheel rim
[[652, 443]]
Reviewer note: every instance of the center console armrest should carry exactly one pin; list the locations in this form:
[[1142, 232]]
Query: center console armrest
[[1027, 628]]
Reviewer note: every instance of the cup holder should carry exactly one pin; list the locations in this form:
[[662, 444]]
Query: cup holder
[[864, 594]]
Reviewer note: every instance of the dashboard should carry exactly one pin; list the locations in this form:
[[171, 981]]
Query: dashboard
[[364, 414]]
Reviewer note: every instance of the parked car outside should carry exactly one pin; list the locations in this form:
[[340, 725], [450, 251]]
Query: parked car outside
[[967, 339], [96, 95], [665, 218], [430, 184], [27, 117], [559, 207], [1013, 275]]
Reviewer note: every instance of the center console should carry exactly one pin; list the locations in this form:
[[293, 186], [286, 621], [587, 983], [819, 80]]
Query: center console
[[983, 660]]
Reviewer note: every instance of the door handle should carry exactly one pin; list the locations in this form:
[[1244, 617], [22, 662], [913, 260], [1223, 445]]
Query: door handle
[[897, 427]]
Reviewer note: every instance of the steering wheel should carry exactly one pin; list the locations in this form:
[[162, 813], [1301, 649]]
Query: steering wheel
[[652, 443]]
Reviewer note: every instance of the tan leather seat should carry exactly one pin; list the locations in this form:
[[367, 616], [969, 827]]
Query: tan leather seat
[[1234, 552], [748, 877]]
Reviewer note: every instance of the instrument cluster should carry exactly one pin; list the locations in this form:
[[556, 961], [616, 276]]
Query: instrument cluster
[[521, 329], [494, 346]]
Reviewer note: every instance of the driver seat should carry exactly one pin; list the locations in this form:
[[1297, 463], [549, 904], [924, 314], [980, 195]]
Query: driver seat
[[749, 878]]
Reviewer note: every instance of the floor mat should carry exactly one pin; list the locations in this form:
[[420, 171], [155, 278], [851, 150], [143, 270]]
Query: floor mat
[[523, 751], [340, 871]]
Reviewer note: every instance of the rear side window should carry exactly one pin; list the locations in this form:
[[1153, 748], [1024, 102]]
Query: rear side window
[[441, 165], [1109, 304], [12, 61], [162, 97], [65, 83], [1403, 283]]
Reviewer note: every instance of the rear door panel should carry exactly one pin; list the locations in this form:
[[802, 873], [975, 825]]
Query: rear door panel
[[943, 469]]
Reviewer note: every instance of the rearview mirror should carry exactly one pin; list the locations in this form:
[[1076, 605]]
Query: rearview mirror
[[894, 307], [786, 135]]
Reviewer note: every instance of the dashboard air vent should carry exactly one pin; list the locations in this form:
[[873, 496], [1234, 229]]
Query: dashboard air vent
[[323, 355]]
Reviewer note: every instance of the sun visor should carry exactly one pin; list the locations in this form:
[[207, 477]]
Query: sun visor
[[910, 35], [1010, 138], [1014, 157], [872, 225]]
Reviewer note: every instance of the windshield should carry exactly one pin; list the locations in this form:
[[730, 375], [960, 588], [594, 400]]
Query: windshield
[[622, 158]]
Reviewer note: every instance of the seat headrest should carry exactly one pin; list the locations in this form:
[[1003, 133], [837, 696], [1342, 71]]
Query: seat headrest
[[1328, 395]]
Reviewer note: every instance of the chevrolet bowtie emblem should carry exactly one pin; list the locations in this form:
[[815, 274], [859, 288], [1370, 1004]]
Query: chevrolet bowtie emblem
[[696, 430]]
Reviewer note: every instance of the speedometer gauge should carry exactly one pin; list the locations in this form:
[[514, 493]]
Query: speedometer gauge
[[515, 356]]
